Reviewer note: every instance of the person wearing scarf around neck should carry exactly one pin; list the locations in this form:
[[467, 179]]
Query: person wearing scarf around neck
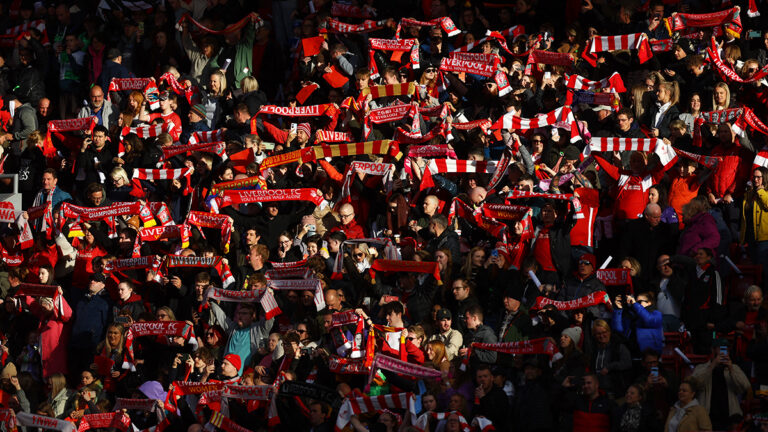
[[687, 415]]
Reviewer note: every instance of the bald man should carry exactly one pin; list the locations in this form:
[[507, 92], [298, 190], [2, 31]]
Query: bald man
[[477, 195], [332, 300], [430, 206], [105, 112], [647, 238], [349, 225]]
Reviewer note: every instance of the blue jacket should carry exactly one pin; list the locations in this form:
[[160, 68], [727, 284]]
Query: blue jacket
[[92, 315], [648, 330]]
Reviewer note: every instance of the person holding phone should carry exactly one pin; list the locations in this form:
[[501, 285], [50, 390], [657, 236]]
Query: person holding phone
[[640, 319], [654, 27], [723, 385]]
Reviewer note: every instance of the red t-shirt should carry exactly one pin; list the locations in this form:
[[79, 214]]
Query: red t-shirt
[[542, 251], [172, 117]]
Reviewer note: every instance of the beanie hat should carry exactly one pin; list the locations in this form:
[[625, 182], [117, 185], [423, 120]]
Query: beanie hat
[[9, 371], [234, 359], [589, 257], [514, 292], [198, 109], [304, 127], [574, 333]]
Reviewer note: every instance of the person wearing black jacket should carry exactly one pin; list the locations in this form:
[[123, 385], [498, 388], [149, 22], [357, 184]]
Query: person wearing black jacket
[[663, 110], [591, 409], [94, 162], [490, 400], [552, 244], [533, 396], [646, 238]]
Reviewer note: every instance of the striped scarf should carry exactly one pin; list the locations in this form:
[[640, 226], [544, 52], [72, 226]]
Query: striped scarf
[[336, 26], [578, 82], [637, 41], [379, 91], [366, 404], [452, 166], [207, 137]]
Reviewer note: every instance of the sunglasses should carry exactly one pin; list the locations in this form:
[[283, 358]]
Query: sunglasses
[[585, 262], [359, 255], [431, 71]]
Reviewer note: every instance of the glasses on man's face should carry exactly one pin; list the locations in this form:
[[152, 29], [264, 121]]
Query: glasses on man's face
[[210, 334], [345, 216]]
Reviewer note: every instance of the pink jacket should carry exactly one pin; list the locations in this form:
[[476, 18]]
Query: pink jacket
[[54, 335]]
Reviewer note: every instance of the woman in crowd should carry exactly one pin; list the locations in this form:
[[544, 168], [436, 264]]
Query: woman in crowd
[[687, 415]]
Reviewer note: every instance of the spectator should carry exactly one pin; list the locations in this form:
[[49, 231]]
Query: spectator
[[687, 414]]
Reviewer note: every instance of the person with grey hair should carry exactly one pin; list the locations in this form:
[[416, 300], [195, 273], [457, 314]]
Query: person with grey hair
[[444, 238], [646, 238]]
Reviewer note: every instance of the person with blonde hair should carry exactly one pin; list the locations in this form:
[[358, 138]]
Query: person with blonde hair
[[659, 114], [721, 97]]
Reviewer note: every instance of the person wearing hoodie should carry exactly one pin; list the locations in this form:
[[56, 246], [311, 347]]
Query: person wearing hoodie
[[478, 332], [641, 321], [687, 415], [128, 299]]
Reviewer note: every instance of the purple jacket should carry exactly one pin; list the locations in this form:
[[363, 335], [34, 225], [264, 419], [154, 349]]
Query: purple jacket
[[700, 232]]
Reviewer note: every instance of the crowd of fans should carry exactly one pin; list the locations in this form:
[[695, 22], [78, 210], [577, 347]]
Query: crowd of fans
[[436, 215]]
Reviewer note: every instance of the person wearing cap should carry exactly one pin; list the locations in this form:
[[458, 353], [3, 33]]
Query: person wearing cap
[[168, 115], [516, 323], [450, 337], [197, 122], [583, 282], [722, 383], [113, 68], [92, 312]]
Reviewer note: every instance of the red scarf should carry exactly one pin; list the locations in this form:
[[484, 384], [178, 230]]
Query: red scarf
[[465, 66], [216, 262], [594, 299], [229, 197], [729, 19], [533, 346], [117, 420], [69, 125], [218, 148], [390, 265], [336, 26], [156, 328], [211, 220], [251, 18]]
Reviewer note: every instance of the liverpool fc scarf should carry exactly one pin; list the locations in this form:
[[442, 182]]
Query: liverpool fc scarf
[[444, 22], [593, 299], [117, 420], [301, 285], [156, 328], [351, 11], [162, 232], [69, 125], [728, 74], [452, 166], [218, 148], [211, 220], [229, 197], [465, 66], [216, 262], [533, 346], [386, 170], [336, 26], [398, 46], [207, 137], [379, 91], [324, 136], [728, 18]]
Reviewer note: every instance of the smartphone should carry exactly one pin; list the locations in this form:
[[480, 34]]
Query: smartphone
[[547, 75], [495, 253], [724, 350], [293, 128], [755, 34], [655, 371], [311, 227], [268, 145]]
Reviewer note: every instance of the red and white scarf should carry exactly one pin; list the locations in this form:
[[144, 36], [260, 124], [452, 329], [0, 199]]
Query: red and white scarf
[[467, 66], [708, 161], [453, 166], [69, 125], [351, 11], [382, 361], [444, 22], [212, 220], [190, 93], [593, 299], [207, 137], [512, 32], [162, 174], [366, 404], [533, 346], [388, 90], [230, 197], [397, 45], [728, 74], [385, 170], [614, 276], [122, 84], [637, 41], [666, 153], [461, 209], [333, 136], [116, 420], [148, 131], [219, 148], [578, 82], [336, 26], [216, 262], [429, 151], [146, 262], [9, 215], [728, 18], [517, 194], [547, 57], [156, 328], [157, 233], [761, 159], [563, 114], [43, 422], [224, 423], [301, 285]]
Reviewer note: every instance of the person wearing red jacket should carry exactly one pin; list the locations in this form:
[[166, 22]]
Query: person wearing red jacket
[[349, 225], [633, 184], [53, 335]]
